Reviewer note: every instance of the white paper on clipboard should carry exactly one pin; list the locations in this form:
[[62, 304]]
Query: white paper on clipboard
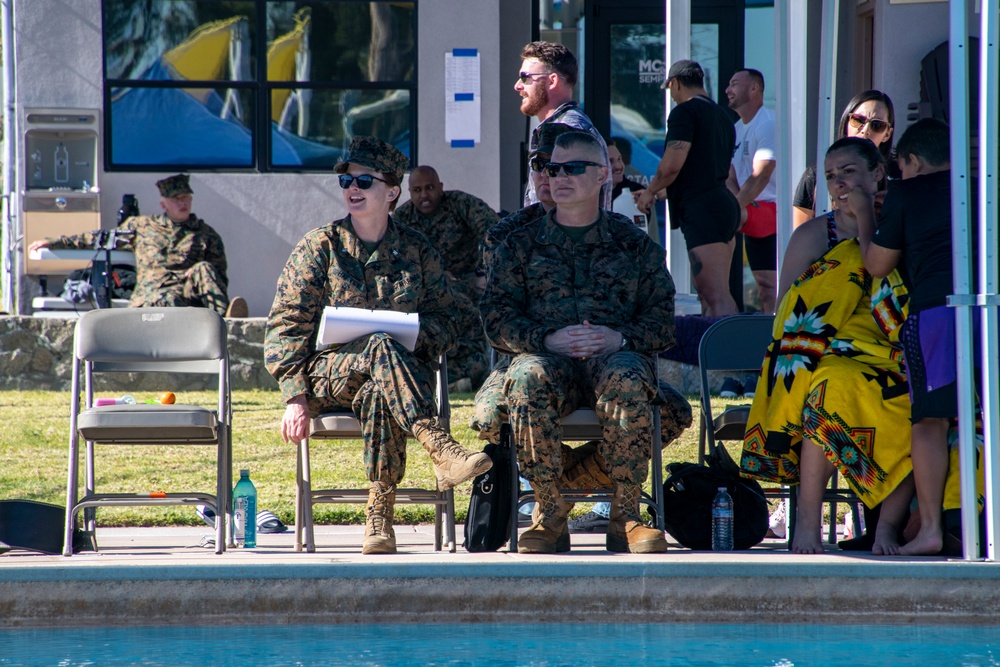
[[342, 324]]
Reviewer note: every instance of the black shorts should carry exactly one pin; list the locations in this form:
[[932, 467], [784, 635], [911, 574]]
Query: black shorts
[[710, 217], [762, 254]]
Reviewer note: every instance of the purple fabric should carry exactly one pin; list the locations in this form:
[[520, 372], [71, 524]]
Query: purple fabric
[[936, 331]]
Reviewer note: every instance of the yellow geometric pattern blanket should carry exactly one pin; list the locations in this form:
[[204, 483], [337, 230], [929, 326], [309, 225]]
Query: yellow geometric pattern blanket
[[834, 375]]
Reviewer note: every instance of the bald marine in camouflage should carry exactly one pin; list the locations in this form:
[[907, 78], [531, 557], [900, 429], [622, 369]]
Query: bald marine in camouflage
[[582, 301], [456, 223], [179, 259], [366, 260]]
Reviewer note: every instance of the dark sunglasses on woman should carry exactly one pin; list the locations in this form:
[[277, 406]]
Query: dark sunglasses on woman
[[364, 181], [858, 121]]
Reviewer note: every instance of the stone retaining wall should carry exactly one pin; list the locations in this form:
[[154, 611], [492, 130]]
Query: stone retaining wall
[[37, 353]]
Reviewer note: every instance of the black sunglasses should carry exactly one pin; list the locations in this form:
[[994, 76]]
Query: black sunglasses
[[574, 168], [858, 121], [524, 77], [364, 181], [538, 163]]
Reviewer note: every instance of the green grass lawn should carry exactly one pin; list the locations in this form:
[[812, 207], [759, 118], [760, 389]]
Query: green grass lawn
[[34, 437]]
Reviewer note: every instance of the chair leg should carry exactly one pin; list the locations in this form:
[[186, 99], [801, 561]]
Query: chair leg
[[306, 496], [449, 521], [438, 532], [71, 493], [656, 459], [515, 486]]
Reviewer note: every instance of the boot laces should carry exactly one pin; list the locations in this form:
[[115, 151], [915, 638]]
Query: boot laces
[[377, 509]]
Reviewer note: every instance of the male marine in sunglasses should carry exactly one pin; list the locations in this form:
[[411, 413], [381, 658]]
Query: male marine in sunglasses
[[583, 303]]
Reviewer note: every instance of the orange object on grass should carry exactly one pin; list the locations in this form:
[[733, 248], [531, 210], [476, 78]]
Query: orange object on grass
[[167, 398]]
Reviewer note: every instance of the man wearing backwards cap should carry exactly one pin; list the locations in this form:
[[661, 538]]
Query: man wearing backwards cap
[[694, 169], [179, 259], [367, 260]]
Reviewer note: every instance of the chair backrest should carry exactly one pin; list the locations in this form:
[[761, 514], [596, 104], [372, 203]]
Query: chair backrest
[[736, 343], [177, 340]]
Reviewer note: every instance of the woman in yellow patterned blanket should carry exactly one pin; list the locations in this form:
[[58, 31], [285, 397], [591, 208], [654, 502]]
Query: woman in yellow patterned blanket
[[832, 393]]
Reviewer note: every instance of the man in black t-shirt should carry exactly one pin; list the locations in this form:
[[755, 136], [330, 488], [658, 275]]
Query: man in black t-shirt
[[695, 165]]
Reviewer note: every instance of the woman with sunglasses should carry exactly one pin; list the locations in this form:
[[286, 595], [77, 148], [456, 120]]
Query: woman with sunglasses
[[868, 115], [368, 261]]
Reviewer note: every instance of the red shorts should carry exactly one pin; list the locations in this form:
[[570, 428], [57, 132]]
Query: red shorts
[[762, 219]]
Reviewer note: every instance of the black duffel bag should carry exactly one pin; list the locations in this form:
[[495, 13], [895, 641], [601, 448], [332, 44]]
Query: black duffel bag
[[487, 525], [689, 490]]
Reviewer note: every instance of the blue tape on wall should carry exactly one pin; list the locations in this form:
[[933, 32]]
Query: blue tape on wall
[[463, 143], [463, 97], [465, 53]]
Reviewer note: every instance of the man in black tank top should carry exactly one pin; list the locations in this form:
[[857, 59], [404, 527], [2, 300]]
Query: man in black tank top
[[695, 165]]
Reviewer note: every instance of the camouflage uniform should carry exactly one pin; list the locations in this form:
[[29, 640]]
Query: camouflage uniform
[[176, 263], [490, 410], [542, 281], [387, 386], [457, 228]]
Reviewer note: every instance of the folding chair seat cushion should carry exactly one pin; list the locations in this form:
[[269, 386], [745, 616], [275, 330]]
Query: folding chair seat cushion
[[732, 423], [139, 424], [581, 424], [335, 425]]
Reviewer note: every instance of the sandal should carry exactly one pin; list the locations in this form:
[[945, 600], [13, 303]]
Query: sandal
[[268, 524]]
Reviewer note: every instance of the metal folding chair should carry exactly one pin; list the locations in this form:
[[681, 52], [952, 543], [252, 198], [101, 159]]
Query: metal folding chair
[[343, 425], [148, 340], [738, 344]]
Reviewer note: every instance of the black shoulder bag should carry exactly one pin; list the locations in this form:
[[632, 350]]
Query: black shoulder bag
[[487, 525]]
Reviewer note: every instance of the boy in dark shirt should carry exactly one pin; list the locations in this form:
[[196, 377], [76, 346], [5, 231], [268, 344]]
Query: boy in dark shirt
[[914, 227]]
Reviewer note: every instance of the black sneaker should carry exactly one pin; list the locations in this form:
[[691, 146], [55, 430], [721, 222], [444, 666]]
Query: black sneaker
[[750, 386], [591, 522], [731, 388]]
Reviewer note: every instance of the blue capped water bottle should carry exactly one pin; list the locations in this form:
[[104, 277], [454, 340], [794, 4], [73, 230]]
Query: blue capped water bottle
[[245, 511], [722, 521]]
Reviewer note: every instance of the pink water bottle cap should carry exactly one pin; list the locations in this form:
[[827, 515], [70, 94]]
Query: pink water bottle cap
[[100, 402]]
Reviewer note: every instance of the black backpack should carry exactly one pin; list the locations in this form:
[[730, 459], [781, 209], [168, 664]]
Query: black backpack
[[487, 525], [689, 490]]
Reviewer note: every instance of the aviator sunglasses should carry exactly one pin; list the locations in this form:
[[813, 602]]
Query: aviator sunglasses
[[524, 77], [364, 181], [574, 168], [538, 163], [858, 121]]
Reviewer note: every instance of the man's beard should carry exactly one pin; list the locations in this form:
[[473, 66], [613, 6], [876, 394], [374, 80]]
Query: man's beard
[[535, 102]]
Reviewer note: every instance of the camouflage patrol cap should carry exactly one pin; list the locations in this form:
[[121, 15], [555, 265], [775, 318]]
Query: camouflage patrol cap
[[547, 135], [375, 154], [175, 186]]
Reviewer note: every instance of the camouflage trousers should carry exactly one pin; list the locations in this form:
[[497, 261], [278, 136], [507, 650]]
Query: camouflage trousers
[[470, 356], [620, 387], [202, 287], [386, 387], [490, 411]]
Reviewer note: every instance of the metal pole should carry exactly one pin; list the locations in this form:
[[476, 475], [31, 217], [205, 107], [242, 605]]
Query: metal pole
[[961, 299], [678, 29], [9, 239], [989, 119], [827, 111], [790, 28]]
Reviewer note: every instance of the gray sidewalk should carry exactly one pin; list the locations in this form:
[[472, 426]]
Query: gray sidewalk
[[154, 576]]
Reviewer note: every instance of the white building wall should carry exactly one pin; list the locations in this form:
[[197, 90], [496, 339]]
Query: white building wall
[[58, 51]]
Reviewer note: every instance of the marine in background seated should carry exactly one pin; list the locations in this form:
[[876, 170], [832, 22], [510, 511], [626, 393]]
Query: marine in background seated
[[179, 259], [455, 222]]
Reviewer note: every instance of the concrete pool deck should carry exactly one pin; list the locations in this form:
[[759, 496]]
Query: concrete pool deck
[[161, 576]]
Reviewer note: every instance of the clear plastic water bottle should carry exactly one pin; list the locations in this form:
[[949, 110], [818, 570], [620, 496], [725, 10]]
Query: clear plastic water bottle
[[245, 511], [722, 521], [126, 399]]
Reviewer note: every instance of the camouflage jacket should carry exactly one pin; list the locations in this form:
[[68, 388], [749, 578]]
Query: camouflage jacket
[[164, 251], [541, 281], [330, 267], [456, 229]]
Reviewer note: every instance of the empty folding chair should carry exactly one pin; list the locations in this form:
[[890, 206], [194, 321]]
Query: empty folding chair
[[148, 340]]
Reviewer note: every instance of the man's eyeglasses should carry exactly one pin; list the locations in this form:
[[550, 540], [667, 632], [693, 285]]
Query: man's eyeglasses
[[364, 181], [858, 122], [574, 168], [538, 163], [524, 77]]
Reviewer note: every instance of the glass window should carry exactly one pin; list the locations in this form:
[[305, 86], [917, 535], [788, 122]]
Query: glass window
[[183, 90]]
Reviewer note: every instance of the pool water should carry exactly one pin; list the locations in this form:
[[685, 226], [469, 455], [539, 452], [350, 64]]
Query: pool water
[[507, 645]]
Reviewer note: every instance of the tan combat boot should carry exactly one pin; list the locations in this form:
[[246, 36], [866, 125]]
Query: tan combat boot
[[584, 468], [379, 536], [549, 533], [626, 531], [453, 464]]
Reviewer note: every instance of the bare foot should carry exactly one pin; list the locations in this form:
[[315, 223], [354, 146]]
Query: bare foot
[[885, 543], [926, 543], [806, 540]]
